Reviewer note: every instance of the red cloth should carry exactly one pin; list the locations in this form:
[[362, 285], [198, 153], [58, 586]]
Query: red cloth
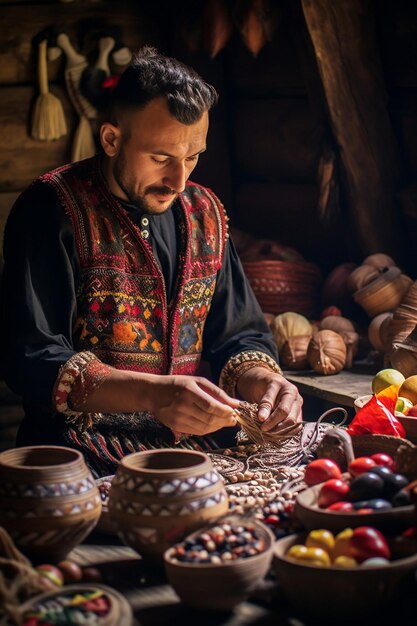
[[377, 417]]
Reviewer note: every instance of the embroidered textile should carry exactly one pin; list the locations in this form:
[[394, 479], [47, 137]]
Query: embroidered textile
[[77, 379], [241, 363], [124, 319], [123, 315]]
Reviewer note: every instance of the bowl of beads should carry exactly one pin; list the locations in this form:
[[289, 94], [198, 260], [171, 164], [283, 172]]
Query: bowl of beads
[[220, 565], [360, 570], [78, 604], [105, 523]]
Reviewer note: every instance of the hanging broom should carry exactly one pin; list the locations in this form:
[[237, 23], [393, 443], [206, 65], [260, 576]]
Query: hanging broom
[[48, 121]]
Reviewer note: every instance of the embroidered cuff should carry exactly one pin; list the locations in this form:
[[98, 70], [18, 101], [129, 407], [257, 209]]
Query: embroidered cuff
[[241, 363], [77, 379]]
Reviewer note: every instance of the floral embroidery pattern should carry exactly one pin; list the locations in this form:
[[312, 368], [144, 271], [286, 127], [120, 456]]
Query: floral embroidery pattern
[[123, 316]]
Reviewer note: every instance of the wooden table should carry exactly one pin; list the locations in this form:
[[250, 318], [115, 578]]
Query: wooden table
[[154, 601], [341, 389]]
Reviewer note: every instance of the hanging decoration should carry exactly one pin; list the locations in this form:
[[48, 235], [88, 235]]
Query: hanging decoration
[[217, 26], [211, 26], [83, 144], [88, 84], [48, 120], [256, 21], [93, 78]]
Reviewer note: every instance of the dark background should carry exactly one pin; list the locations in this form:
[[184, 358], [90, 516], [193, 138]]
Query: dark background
[[270, 127]]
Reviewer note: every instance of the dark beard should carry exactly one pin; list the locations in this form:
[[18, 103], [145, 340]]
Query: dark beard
[[138, 201]]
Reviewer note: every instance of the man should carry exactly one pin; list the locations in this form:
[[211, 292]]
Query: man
[[119, 277]]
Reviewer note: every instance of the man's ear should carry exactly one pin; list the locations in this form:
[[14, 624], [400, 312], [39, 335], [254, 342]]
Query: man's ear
[[110, 136]]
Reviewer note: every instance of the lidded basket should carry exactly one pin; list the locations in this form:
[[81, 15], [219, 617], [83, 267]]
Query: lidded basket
[[49, 501], [384, 293], [159, 496]]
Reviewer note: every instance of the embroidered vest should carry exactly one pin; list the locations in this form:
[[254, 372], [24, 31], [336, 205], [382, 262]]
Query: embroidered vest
[[123, 315]]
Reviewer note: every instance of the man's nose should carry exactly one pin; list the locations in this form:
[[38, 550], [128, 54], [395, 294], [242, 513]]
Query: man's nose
[[176, 177]]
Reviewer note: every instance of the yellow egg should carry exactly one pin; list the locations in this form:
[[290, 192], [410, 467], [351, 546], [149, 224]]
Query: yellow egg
[[386, 377], [341, 543], [309, 556], [297, 551], [409, 389], [345, 561], [321, 539]]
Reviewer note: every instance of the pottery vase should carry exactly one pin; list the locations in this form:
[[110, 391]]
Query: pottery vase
[[159, 496], [49, 501]]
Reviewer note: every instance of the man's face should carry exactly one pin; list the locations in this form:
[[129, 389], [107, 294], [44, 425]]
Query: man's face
[[152, 156]]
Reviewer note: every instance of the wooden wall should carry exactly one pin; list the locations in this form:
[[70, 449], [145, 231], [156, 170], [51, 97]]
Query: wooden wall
[[22, 158], [267, 133], [278, 127]]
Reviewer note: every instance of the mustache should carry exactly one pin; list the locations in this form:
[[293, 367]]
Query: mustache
[[160, 190]]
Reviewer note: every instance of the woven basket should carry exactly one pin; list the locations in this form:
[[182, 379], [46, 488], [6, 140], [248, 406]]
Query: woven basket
[[384, 293], [401, 450], [281, 286]]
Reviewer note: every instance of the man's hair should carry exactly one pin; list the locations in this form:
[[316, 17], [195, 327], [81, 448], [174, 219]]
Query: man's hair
[[153, 75]]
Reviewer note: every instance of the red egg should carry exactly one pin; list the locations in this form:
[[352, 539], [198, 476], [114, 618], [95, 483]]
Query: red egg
[[360, 465], [91, 575], [367, 542], [51, 573], [320, 470], [385, 460], [333, 490], [71, 571], [342, 506]]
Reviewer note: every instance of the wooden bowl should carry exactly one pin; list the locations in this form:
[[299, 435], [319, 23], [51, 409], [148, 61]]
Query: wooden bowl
[[409, 423], [410, 426], [105, 523], [69, 598], [307, 511], [342, 592], [219, 587]]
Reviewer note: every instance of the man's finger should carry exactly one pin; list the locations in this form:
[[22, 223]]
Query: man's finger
[[218, 394], [264, 409]]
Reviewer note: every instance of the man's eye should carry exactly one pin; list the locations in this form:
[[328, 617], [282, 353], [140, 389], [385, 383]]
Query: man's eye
[[159, 161], [192, 159]]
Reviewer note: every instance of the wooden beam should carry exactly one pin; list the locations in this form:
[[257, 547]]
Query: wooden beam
[[343, 36]]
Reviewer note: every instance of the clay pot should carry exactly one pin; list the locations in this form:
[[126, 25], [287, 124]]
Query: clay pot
[[159, 496], [49, 501]]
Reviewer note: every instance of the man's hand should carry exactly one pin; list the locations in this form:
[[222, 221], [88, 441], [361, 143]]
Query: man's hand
[[280, 404], [191, 404]]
